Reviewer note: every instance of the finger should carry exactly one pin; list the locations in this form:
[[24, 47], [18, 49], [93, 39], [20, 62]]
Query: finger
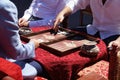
[[20, 23], [110, 44], [56, 30], [115, 44], [58, 20], [55, 27], [56, 23], [20, 20]]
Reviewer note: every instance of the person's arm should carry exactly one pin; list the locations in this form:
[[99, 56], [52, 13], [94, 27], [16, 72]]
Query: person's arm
[[60, 17], [50, 20], [71, 7], [23, 21], [28, 12], [10, 43]]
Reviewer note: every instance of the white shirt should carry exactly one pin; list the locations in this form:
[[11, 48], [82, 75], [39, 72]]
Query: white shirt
[[106, 18], [46, 9]]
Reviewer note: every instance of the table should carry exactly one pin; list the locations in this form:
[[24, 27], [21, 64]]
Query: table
[[66, 67]]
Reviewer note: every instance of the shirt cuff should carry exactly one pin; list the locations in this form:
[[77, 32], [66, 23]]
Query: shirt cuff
[[26, 17]]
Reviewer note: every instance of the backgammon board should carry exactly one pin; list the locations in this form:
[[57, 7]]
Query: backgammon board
[[64, 42]]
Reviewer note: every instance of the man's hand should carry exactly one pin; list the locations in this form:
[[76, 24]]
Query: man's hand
[[57, 22], [115, 44], [36, 42], [60, 17], [23, 22]]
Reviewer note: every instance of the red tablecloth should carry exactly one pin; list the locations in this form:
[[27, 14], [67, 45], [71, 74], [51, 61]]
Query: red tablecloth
[[66, 67]]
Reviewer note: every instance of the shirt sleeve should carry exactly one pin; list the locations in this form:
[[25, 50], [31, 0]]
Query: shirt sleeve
[[44, 22], [61, 5], [11, 46], [75, 5], [28, 12], [28, 51]]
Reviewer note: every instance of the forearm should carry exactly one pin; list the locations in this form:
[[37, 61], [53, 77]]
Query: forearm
[[66, 11]]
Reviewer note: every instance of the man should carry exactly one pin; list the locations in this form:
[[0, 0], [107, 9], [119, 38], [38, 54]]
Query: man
[[41, 13], [11, 47], [106, 19]]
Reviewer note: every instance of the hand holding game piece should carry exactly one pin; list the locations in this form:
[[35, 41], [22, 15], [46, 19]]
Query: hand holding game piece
[[53, 32]]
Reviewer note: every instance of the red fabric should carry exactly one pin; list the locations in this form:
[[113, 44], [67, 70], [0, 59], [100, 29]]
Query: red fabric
[[36, 29], [10, 69], [100, 67], [66, 67]]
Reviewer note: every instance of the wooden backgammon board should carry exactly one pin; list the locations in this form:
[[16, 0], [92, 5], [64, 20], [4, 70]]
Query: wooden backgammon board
[[63, 43]]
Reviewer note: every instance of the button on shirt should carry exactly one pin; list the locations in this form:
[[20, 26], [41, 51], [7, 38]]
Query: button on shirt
[[46, 9], [106, 18]]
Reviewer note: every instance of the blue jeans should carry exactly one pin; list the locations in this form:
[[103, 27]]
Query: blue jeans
[[35, 64]]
